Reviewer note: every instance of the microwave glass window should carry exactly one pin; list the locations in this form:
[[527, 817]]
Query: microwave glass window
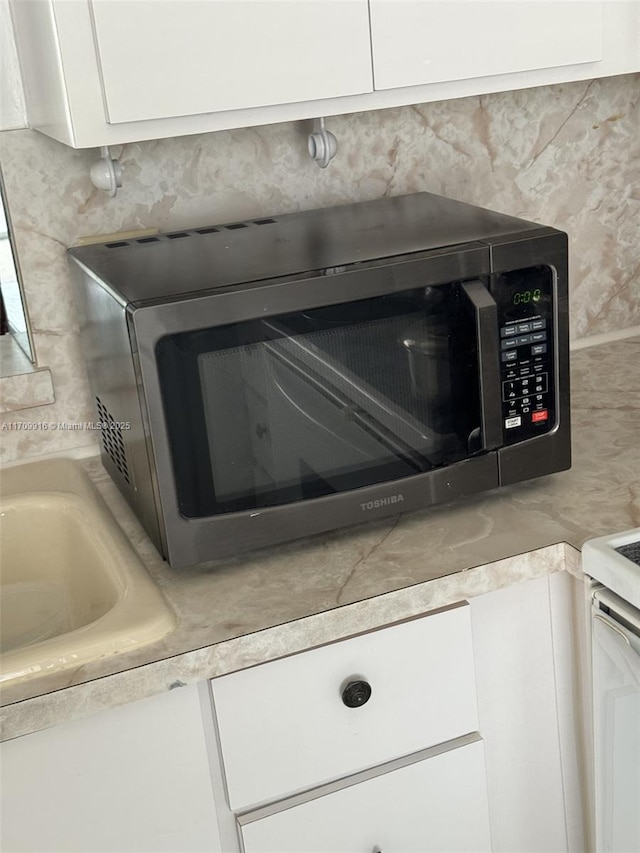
[[298, 406]]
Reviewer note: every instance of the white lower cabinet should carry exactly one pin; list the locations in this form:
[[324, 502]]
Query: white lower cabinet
[[470, 739], [434, 805], [366, 745], [456, 731], [131, 779], [287, 726], [527, 641]]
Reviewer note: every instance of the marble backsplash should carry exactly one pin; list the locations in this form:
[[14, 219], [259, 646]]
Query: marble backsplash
[[565, 155]]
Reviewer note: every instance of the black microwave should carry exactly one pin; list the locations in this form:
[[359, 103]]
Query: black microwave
[[269, 379]]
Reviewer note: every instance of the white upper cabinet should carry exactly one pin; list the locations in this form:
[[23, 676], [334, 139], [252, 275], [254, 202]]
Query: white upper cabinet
[[420, 41], [105, 72], [162, 58]]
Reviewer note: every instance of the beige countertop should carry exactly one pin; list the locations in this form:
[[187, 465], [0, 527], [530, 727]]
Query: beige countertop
[[246, 610]]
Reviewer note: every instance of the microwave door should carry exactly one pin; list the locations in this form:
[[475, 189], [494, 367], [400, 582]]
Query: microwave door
[[322, 358], [340, 409], [315, 435], [354, 395], [277, 410], [287, 431]]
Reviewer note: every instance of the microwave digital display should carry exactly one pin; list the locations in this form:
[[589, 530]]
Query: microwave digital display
[[523, 297], [526, 352]]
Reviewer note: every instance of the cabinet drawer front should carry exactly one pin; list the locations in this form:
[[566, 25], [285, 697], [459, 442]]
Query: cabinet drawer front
[[284, 725], [432, 806]]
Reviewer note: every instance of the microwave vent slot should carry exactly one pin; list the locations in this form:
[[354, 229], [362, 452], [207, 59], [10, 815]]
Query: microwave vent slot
[[175, 235], [112, 440]]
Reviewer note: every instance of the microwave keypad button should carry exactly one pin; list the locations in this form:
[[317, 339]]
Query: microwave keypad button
[[541, 383], [507, 343], [525, 339], [509, 391], [507, 331], [525, 387], [525, 384]]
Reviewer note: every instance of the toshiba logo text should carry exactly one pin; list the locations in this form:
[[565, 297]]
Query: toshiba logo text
[[379, 502]]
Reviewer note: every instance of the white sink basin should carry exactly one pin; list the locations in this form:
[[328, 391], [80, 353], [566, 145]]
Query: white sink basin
[[72, 588]]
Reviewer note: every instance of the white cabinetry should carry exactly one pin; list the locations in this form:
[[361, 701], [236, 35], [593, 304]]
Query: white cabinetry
[[103, 72], [306, 771], [440, 41], [98, 72], [527, 640], [130, 779], [434, 805], [462, 733], [421, 677], [161, 58]]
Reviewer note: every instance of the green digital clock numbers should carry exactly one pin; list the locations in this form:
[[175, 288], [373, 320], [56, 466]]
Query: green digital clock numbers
[[522, 297]]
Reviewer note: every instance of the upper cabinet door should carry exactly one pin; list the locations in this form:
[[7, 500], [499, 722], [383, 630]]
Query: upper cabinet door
[[420, 41], [162, 58]]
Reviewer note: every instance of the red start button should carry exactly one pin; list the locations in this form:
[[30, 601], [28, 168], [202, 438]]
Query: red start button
[[542, 415]]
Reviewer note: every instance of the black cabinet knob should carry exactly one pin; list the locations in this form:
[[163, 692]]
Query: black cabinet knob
[[356, 693]]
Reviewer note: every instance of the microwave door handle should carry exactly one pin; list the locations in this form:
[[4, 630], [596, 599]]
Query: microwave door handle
[[486, 318]]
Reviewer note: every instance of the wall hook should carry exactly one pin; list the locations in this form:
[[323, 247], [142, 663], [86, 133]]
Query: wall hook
[[322, 144], [106, 173]]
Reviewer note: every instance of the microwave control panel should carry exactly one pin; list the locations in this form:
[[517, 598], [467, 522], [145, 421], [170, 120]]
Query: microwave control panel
[[527, 365]]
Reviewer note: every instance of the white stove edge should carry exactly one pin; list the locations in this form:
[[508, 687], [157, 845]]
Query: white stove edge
[[601, 562]]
